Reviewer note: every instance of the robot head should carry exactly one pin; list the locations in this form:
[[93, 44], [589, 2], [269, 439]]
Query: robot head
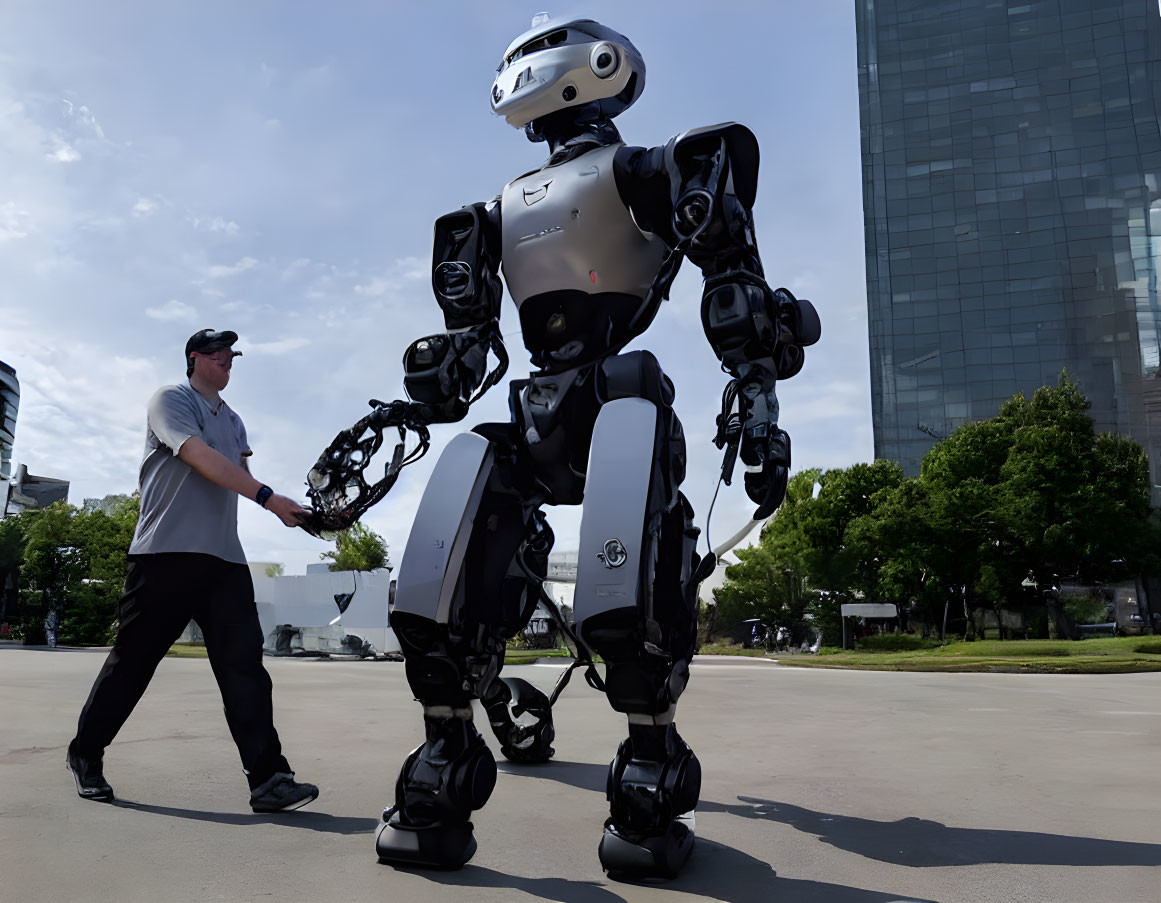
[[575, 64]]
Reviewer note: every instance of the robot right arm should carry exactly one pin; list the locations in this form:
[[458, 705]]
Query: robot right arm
[[445, 373]]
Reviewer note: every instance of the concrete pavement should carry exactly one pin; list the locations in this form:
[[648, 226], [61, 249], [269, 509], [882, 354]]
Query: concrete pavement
[[820, 786]]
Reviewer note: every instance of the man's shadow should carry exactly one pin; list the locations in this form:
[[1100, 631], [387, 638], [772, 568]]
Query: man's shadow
[[915, 842], [310, 821]]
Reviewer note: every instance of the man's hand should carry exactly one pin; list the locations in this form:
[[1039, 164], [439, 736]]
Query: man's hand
[[288, 510]]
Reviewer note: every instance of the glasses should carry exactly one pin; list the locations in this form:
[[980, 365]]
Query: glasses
[[224, 356]]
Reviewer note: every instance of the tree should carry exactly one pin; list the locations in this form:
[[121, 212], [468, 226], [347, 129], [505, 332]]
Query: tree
[[770, 582], [358, 548], [52, 566], [276, 570], [103, 531], [11, 557]]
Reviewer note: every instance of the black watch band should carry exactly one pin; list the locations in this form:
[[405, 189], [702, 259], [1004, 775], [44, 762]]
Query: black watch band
[[263, 495]]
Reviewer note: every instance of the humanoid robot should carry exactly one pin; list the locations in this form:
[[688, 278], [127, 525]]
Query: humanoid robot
[[588, 245]]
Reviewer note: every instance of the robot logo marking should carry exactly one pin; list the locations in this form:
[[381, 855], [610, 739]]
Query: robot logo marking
[[543, 232], [537, 193], [614, 554]]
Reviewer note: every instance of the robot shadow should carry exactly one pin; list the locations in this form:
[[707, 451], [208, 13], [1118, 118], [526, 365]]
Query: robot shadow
[[915, 842], [310, 821], [921, 843], [714, 872]]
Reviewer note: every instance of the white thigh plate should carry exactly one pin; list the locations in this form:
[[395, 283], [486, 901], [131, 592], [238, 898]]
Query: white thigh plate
[[443, 524], [566, 228], [616, 494]]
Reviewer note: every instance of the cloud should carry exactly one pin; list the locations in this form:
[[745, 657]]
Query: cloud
[[64, 153], [219, 224], [144, 207], [82, 413], [221, 271], [85, 117], [13, 222], [405, 269], [282, 346], [172, 310]]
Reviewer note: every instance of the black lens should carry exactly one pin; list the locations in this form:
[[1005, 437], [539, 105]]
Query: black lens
[[569, 93], [604, 60]]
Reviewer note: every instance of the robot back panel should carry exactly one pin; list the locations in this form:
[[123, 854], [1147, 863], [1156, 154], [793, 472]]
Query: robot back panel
[[574, 260]]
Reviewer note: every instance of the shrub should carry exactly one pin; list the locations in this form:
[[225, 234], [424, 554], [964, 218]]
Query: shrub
[[1149, 647], [894, 642]]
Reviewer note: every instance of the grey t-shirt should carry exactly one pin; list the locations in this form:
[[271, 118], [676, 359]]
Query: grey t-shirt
[[182, 511]]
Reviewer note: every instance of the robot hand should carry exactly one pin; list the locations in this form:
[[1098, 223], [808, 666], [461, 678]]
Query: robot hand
[[339, 494], [752, 433], [768, 449]]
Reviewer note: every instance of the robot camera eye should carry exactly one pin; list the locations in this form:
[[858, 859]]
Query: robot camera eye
[[603, 60], [568, 94]]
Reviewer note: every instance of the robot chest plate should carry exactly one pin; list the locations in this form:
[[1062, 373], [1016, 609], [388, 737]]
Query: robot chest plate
[[565, 228]]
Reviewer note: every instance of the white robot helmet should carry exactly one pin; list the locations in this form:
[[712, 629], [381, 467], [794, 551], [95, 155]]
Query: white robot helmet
[[558, 65]]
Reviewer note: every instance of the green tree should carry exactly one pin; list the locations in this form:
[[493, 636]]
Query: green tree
[[11, 557], [1074, 504], [53, 565], [102, 531], [275, 570], [358, 548], [770, 580]]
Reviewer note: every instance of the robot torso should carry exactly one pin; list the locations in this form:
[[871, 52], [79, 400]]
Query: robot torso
[[574, 260]]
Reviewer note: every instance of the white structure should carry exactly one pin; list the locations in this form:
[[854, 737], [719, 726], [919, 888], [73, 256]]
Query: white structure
[[308, 601]]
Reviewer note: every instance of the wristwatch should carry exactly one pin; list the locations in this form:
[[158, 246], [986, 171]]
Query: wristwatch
[[263, 495]]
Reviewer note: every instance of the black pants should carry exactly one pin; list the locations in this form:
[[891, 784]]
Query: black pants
[[162, 593]]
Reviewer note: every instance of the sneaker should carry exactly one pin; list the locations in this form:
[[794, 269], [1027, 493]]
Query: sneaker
[[91, 783], [282, 793]]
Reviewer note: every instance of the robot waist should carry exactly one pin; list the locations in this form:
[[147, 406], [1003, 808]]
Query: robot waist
[[567, 329]]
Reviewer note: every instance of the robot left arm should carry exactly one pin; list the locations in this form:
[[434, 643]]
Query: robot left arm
[[698, 193], [445, 373]]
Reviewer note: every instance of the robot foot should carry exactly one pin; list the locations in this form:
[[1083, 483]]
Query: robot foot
[[436, 846], [627, 856]]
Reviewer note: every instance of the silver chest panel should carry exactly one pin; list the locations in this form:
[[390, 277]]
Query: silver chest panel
[[566, 228]]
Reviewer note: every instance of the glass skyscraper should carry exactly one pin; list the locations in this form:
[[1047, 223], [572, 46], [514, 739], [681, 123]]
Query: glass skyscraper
[[1011, 197]]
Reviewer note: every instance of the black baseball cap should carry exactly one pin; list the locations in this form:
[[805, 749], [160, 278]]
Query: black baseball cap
[[209, 340]]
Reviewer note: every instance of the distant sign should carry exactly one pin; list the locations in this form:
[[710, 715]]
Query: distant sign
[[869, 610]]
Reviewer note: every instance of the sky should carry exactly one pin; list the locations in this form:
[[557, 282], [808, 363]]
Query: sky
[[276, 168]]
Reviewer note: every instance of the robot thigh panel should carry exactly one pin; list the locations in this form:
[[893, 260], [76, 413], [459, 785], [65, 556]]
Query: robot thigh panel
[[635, 605], [466, 584]]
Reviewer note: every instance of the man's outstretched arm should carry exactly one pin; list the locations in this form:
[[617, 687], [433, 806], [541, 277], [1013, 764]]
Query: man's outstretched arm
[[219, 469]]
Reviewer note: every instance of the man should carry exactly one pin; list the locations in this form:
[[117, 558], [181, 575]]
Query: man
[[186, 562]]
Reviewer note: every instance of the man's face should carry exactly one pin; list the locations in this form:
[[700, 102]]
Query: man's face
[[214, 366]]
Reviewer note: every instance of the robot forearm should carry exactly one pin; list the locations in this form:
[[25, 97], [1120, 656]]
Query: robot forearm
[[445, 373]]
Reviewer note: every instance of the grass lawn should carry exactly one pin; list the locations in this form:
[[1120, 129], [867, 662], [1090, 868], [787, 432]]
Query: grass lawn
[[1106, 655]]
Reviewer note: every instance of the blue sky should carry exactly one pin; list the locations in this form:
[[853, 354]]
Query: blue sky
[[275, 169]]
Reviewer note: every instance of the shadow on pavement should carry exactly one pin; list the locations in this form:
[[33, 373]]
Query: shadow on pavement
[[714, 872], [915, 842], [922, 843], [310, 821]]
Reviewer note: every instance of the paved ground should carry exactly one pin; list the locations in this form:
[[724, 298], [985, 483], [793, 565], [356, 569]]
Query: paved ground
[[820, 786]]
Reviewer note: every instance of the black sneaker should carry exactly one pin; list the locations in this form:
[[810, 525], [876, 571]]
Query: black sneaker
[[282, 793], [91, 783]]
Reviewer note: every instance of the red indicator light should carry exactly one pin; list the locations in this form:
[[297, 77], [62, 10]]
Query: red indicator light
[[593, 276]]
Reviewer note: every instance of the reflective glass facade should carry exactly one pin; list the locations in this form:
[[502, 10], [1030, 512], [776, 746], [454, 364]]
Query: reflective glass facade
[[9, 404], [1012, 203]]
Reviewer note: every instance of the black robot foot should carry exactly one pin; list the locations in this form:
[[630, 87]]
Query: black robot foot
[[630, 856], [432, 846]]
